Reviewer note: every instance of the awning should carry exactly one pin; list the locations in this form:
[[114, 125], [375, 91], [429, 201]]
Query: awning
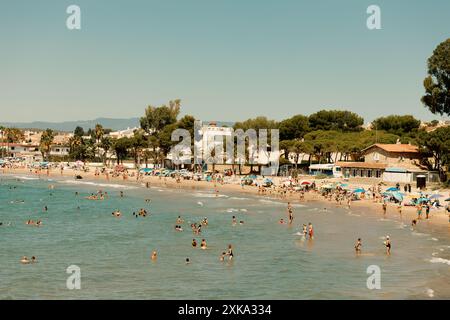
[[398, 170]]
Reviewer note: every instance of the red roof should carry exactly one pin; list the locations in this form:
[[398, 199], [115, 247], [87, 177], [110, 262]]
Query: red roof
[[395, 147]]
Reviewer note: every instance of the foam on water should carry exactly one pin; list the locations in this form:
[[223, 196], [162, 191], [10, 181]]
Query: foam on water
[[96, 184], [26, 178], [440, 260]]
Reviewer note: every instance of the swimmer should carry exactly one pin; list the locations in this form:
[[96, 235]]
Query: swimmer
[[222, 256], [179, 220], [45, 208], [310, 231], [358, 246], [290, 213], [25, 260], [194, 243], [241, 222], [33, 259], [305, 231], [281, 221], [387, 243], [203, 244], [413, 222], [187, 261], [121, 194], [154, 256], [230, 252], [234, 221]]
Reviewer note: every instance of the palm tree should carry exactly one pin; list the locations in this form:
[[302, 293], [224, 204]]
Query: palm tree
[[2, 133], [105, 144], [98, 135], [46, 143]]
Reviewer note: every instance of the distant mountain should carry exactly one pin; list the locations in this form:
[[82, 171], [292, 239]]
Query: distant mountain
[[69, 126], [114, 124]]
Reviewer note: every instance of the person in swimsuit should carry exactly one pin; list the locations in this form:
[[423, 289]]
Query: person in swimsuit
[[305, 231], [310, 231], [154, 256], [234, 221], [222, 256], [387, 243], [230, 252], [358, 246], [194, 243], [203, 244]]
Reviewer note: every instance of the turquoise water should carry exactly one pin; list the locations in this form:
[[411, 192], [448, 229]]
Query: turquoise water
[[271, 261]]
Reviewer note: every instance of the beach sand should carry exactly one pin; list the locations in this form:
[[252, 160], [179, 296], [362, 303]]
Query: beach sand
[[364, 206]]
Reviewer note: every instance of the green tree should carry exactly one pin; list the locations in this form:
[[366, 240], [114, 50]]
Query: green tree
[[13, 135], [155, 120], [437, 83], [336, 120], [294, 128], [120, 147], [437, 144], [396, 124], [79, 132], [105, 144], [45, 144]]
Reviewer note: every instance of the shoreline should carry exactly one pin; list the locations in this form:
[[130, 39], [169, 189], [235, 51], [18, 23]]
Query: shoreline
[[438, 217]]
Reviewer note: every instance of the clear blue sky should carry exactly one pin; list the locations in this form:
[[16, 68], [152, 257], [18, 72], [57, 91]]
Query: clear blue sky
[[226, 59]]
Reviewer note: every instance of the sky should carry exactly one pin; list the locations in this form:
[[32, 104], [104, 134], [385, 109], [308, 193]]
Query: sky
[[227, 60]]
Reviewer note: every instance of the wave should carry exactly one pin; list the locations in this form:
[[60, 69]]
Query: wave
[[209, 195], [237, 198], [26, 178], [105, 185], [440, 260]]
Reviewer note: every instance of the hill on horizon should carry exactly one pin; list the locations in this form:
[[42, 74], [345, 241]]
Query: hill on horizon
[[69, 126]]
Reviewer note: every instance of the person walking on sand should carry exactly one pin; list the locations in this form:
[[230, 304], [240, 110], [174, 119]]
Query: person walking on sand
[[427, 211], [419, 212], [384, 207]]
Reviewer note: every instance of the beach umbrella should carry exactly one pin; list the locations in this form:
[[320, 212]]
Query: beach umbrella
[[392, 189], [420, 200], [305, 182], [398, 196], [146, 170], [359, 190]]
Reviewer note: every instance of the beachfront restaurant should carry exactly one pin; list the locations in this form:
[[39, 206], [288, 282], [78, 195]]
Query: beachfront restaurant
[[361, 169]]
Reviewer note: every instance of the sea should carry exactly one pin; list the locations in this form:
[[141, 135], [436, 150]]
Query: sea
[[271, 260]]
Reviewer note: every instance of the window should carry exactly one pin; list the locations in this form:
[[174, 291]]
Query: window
[[369, 173]]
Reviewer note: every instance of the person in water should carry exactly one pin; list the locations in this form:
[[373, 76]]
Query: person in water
[[305, 231], [194, 243], [203, 244], [387, 243], [230, 252], [234, 221], [25, 260], [222, 256], [290, 213], [310, 231], [358, 246], [187, 261], [154, 256]]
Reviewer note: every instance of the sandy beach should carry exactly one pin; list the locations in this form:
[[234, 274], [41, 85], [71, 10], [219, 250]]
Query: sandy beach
[[437, 217]]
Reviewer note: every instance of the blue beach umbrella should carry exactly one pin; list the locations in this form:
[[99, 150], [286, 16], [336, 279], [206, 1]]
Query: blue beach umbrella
[[359, 190], [392, 189], [420, 200], [398, 196]]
